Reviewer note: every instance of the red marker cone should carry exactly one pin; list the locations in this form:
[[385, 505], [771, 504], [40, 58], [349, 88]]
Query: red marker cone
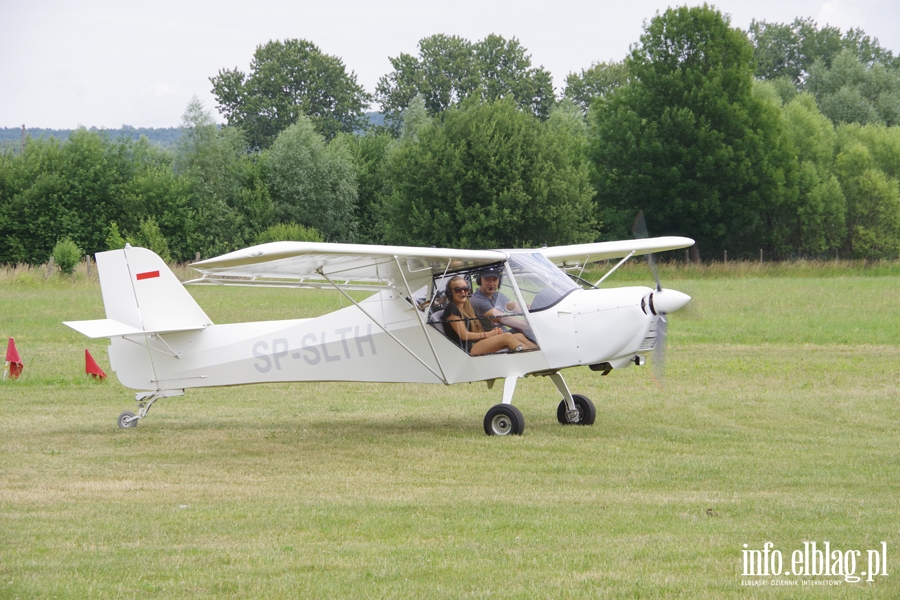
[[91, 367], [13, 366]]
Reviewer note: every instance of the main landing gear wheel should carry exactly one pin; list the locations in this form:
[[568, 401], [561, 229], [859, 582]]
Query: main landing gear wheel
[[587, 414], [504, 419], [127, 419]]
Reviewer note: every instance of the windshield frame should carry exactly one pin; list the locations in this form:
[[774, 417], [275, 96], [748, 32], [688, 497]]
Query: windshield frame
[[537, 276]]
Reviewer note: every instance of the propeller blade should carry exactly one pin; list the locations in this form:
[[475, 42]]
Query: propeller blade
[[659, 350], [639, 229]]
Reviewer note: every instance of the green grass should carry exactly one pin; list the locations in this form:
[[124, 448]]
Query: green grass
[[778, 422]]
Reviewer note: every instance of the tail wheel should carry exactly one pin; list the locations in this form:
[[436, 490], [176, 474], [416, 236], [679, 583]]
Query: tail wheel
[[127, 420], [587, 414], [504, 419]]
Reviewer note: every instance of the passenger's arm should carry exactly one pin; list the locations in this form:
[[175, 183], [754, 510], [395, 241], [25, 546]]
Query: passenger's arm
[[459, 326]]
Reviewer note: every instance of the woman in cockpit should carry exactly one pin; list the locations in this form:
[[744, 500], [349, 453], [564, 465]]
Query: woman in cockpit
[[466, 330]]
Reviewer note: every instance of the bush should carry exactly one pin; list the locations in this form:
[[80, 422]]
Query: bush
[[66, 254]]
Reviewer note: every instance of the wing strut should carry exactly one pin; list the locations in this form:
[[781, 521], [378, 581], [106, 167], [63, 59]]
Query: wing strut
[[380, 326], [421, 319], [610, 272]]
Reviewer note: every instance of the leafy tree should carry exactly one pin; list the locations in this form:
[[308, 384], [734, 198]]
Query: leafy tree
[[369, 154], [444, 73], [597, 81], [18, 173], [73, 190], [873, 205], [450, 69], [783, 88], [567, 119], [688, 142], [148, 235], [488, 176], [850, 91], [227, 200], [868, 50], [311, 183], [881, 142], [868, 168], [788, 51], [288, 79], [158, 194], [76, 189], [114, 239], [820, 218], [415, 117], [505, 69]]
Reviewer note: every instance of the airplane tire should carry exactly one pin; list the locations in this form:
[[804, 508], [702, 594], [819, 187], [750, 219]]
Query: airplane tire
[[504, 419], [584, 406], [127, 420]]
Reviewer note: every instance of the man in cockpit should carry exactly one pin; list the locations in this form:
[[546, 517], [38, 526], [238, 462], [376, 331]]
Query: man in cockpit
[[493, 306]]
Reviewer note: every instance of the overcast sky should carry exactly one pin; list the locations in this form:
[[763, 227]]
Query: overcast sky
[[106, 63]]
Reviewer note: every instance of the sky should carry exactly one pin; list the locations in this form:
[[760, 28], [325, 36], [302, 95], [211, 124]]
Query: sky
[[108, 63]]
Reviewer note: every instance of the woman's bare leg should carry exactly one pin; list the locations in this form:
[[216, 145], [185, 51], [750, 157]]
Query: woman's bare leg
[[497, 342], [524, 341]]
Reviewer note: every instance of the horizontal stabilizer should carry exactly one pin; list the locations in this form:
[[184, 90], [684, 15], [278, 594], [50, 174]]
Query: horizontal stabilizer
[[109, 328]]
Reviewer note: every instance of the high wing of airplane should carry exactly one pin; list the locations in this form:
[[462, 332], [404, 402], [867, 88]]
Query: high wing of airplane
[[162, 342]]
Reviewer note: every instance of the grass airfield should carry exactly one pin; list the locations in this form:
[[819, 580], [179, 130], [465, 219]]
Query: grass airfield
[[779, 422]]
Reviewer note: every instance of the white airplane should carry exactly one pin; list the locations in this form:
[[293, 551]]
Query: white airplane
[[162, 342]]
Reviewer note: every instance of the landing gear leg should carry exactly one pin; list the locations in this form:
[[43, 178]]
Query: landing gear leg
[[574, 409], [145, 400]]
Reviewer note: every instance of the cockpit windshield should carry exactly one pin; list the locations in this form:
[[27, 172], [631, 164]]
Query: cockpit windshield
[[541, 282]]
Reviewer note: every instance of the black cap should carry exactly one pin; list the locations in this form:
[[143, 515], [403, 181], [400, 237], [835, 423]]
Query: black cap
[[490, 272]]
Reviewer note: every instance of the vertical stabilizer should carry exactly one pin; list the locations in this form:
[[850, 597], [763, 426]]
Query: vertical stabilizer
[[139, 290]]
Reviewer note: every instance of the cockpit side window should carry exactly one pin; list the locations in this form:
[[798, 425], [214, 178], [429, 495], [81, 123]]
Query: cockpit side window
[[497, 306]]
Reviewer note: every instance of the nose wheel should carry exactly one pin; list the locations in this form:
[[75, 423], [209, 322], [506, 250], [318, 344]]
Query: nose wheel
[[584, 413]]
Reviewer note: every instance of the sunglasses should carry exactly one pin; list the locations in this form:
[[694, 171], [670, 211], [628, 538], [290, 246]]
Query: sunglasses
[[460, 289]]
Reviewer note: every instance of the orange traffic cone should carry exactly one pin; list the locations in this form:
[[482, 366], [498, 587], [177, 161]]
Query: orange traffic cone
[[13, 366], [91, 367]]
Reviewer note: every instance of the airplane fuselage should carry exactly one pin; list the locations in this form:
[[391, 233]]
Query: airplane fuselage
[[586, 327]]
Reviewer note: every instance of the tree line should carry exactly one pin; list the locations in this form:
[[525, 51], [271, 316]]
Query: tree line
[[11, 137], [784, 138]]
